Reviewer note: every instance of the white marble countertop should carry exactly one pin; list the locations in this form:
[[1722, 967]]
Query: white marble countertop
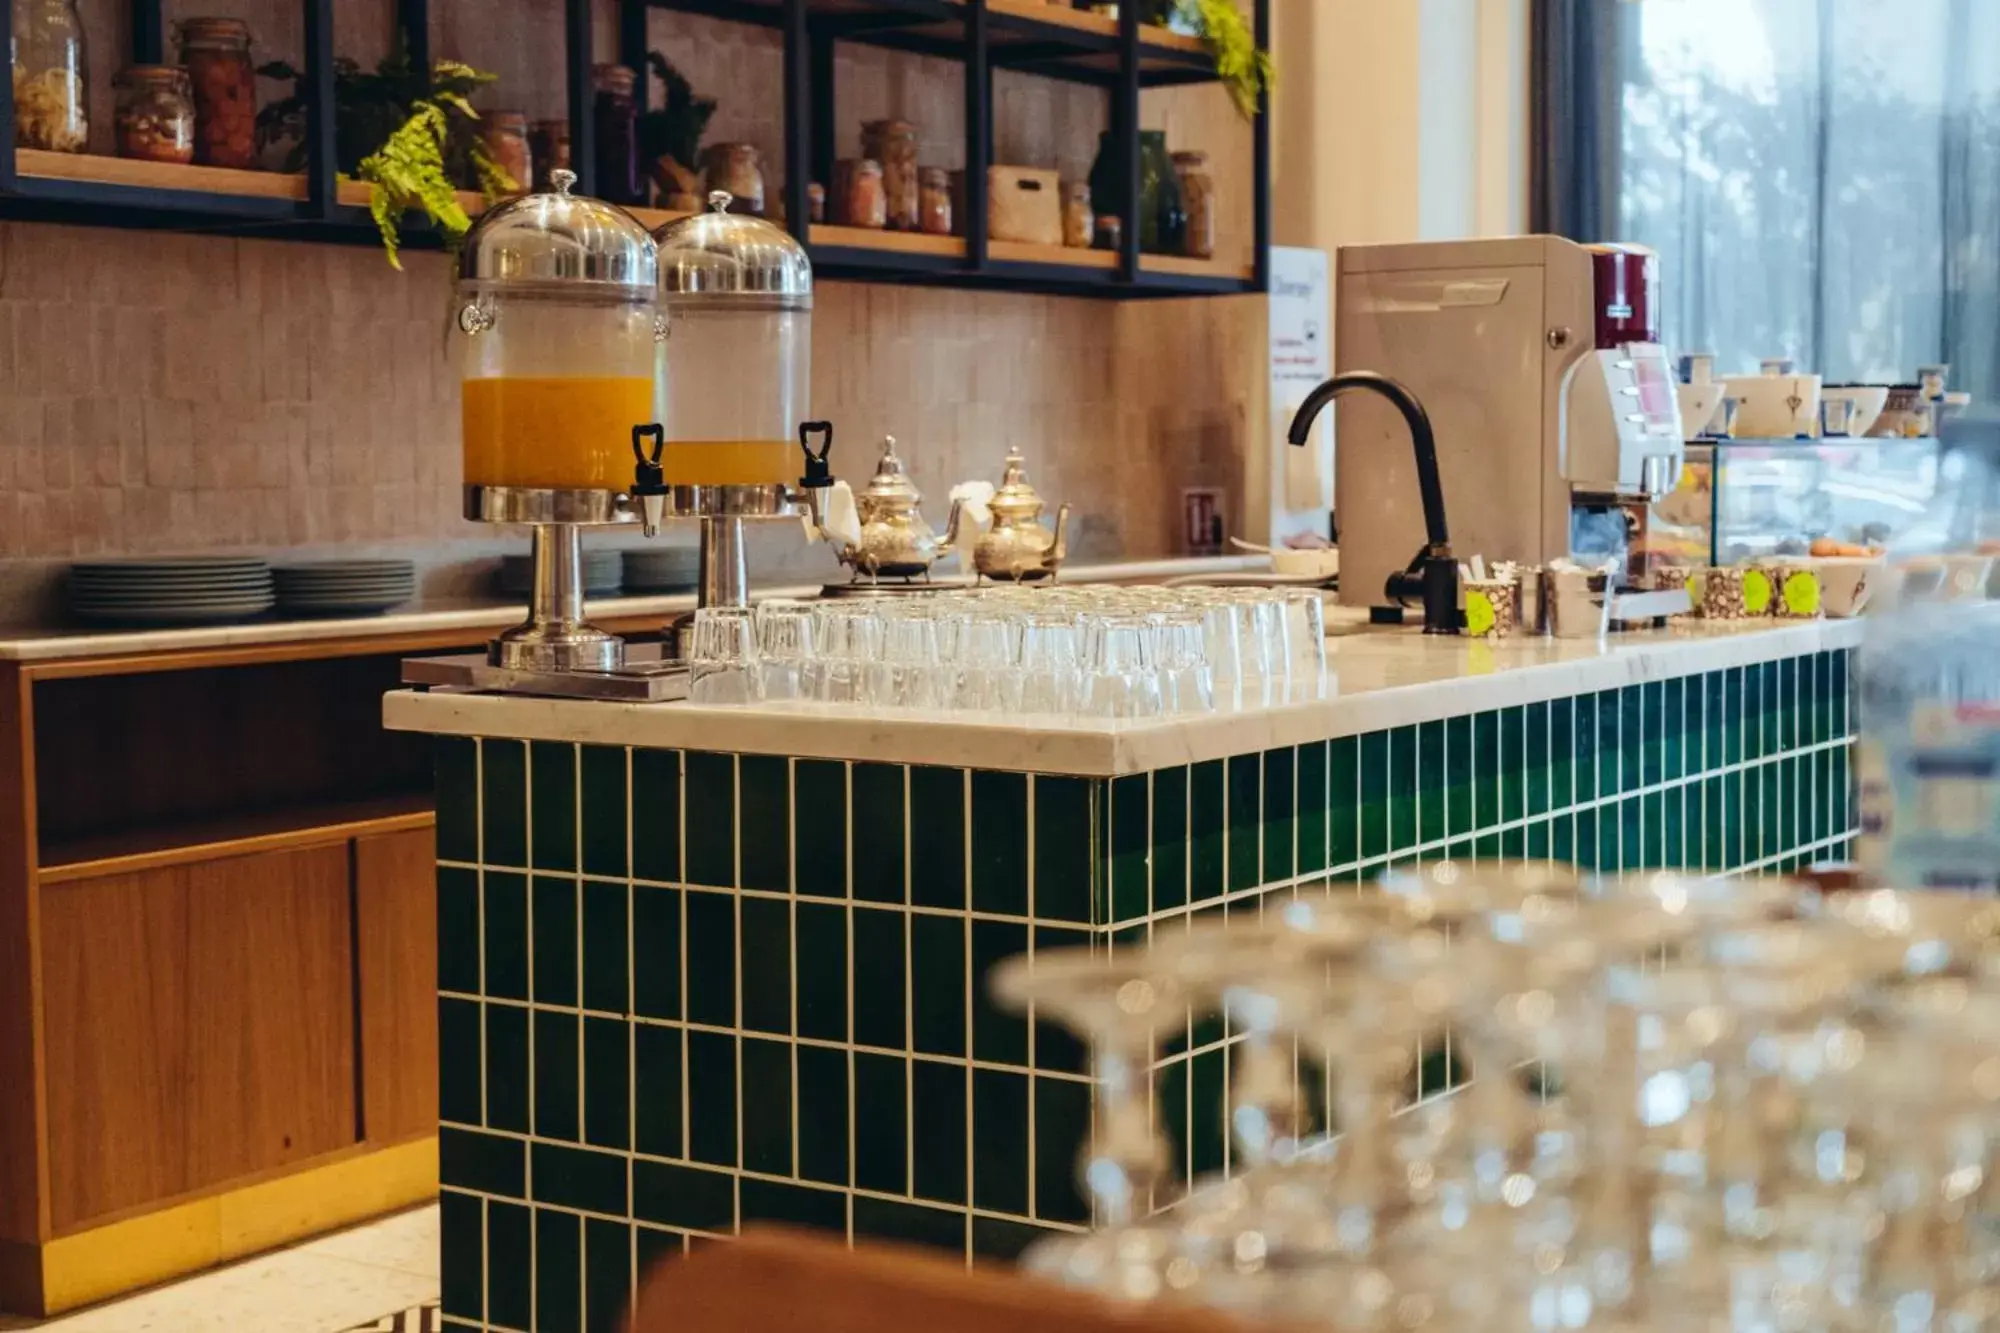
[[1375, 679], [44, 645]]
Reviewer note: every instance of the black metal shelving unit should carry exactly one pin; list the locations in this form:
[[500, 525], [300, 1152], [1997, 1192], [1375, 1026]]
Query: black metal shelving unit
[[982, 36]]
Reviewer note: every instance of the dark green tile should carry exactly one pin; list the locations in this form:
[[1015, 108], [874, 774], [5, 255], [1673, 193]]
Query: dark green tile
[[458, 929], [1584, 738], [507, 1068], [1131, 842], [1776, 810], [711, 958], [1713, 716], [1485, 770], [462, 1254], [879, 802], [1562, 839], [767, 1109], [510, 1265], [711, 1098], [1633, 733], [506, 897], [1374, 794], [1455, 779], [794, 1205], [1000, 1139], [910, 1224], [1343, 801], [657, 1245], [1207, 1129], [1536, 766], [1586, 841], [767, 964], [764, 837], [819, 813], [656, 815], [997, 1035], [607, 1274], [683, 1196], [937, 836], [601, 773], [461, 1082], [1280, 815], [606, 957], [938, 1110], [1610, 743], [1312, 808], [1513, 764], [552, 788], [1715, 852], [1431, 790], [1681, 715], [658, 1084], [656, 951], [1000, 842], [711, 818], [1062, 1128], [558, 1076], [1003, 1241], [823, 1143], [1654, 830], [503, 802], [1673, 834], [1208, 824], [1562, 754], [1065, 820], [881, 1123], [1055, 1046], [1170, 838], [1751, 830], [554, 921], [1513, 842], [1403, 779], [937, 985], [1611, 851], [558, 1272], [1652, 721], [1843, 697], [1754, 710], [881, 1010], [488, 1163], [607, 1083], [822, 971], [455, 763], [1537, 845]]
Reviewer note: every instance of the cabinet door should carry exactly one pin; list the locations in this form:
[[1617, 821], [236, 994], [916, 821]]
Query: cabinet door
[[395, 915], [200, 1026]]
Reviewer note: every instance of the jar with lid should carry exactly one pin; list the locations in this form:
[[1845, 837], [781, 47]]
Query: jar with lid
[[557, 321], [1198, 202], [1079, 222], [216, 52], [51, 77], [155, 113], [506, 136], [736, 368], [857, 193], [614, 116], [893, 143], [548, 151], [737, 170], [934, 201]]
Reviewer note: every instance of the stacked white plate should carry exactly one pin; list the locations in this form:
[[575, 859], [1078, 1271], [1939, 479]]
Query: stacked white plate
[[171, 590], [602, 572], [345, 587], [662, 568]]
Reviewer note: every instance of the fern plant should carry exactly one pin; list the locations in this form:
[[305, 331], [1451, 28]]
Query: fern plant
[[1244, 70], [408, 173]]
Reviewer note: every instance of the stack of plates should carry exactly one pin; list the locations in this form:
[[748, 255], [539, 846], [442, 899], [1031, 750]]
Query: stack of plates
[[602, 571], [662, 568], [345, 587], [184, 590]]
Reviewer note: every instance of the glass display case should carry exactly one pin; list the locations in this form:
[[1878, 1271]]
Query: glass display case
[[1741, 499]]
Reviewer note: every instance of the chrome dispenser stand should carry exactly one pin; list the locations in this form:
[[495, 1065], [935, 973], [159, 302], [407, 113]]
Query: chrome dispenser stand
[[555, 636]]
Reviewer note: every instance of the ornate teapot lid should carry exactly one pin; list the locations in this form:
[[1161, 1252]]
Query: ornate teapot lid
[[890, 485], [1016, 496]]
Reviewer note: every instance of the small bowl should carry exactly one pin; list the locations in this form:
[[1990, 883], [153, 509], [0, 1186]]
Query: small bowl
[[1319, 564], [1774, 407], [1847, 583], [1868, 400]]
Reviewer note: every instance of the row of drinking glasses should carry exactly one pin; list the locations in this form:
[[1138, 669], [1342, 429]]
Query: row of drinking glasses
[[1694, 1105], [1098, 652]]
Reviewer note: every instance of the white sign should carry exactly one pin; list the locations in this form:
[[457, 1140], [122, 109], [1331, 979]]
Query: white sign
[[1301, 333]]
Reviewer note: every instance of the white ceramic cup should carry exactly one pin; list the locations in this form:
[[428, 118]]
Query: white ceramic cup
[[1865, 404]]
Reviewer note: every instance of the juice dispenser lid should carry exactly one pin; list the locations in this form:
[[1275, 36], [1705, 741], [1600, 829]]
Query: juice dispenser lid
[[560, 238], [732, 259]]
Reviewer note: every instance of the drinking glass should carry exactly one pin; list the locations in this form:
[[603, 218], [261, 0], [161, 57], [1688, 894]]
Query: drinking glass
[[847, 638], [785, 649], [1121, 677], [1049, 661], [1305, 630], [722, 666], [910, 671], [1187, 682], [987, 664]]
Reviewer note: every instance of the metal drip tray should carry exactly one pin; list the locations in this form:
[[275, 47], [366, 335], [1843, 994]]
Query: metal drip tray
[[655, 681]]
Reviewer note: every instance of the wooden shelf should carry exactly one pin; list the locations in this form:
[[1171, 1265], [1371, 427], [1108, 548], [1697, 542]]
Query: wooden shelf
[[45, 165], [888, 242], [208, 839], [1186, 266], [1027, 252], [1082, 20]]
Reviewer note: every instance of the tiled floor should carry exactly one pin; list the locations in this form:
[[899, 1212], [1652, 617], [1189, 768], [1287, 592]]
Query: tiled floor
[[344, 1281]]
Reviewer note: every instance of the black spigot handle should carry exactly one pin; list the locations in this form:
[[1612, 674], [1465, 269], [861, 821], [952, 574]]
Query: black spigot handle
[[648, 477], [818, 472]]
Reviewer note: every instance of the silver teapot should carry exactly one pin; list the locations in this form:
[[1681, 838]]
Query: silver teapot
[[895, 542], [1017, 548]]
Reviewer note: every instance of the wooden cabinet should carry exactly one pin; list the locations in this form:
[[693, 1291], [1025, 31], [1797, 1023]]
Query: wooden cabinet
[[395, 918]]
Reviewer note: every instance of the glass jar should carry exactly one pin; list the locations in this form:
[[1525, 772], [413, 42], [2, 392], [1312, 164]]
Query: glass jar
[[216, 52], [1198, 200], [893, 143], [736, 169], [155, 113], [857, 192], [1162, 220], [934, 200], [51, 77], [614, 117], [1079, 222], [506, 135], [736, 373], [557, 324], [548, 151]]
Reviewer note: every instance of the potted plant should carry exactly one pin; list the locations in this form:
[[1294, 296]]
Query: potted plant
[[670, 137], [1244, 70]]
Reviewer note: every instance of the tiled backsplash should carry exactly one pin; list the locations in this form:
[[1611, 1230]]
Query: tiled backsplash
[[685, 991]]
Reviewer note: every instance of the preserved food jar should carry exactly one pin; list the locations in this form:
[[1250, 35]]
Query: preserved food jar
[[737, 170], [557, 320], [548, 151], [934, 200], [1079, 222], [1198, 201], [857, 192], [615, 120], [506, 135], [893, 143], [155, 114], [51, 77], [216, 52], [736, 370]]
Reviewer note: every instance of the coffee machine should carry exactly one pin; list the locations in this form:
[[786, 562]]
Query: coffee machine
[[1539, 362]]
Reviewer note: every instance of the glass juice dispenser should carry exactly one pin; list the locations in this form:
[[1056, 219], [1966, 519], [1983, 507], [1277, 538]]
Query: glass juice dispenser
[[558, 328]]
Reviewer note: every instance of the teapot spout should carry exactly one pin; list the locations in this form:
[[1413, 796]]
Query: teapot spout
[[1059, 548], [949, 541]]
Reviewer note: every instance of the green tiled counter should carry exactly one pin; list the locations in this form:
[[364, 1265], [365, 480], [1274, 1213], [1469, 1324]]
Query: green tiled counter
[[685, 987]]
